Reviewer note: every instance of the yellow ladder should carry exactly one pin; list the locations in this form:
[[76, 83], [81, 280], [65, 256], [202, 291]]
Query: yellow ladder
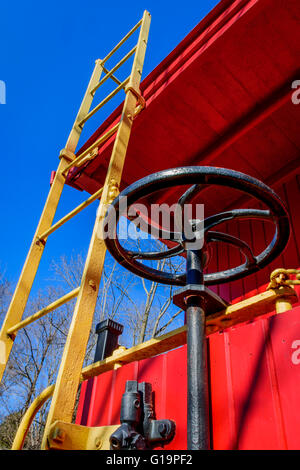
[[68, 379]]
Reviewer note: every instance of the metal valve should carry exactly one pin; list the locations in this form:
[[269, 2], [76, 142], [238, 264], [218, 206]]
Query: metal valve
[[139, 430]]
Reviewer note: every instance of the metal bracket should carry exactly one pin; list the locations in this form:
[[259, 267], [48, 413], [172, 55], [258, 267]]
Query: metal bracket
[[140, 100], [68, 436], [113, 191], [67, 155], [212, 303]]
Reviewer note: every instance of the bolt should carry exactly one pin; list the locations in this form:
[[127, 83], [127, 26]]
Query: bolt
[[162, 429], [58, 435], [137, 403], [113, 191], [115, 443], [98, 442]]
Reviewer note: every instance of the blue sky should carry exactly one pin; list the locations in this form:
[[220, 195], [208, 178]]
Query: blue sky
[[47, 55]]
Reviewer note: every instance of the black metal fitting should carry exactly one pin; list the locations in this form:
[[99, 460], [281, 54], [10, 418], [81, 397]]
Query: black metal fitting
[[210, 301], [139, 430], [131, 407], [108, 332], [154, 430]]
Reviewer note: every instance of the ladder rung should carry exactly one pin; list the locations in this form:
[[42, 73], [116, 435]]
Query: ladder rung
[[81, 158], [122, 41], [109, 74], [69, 216], [115, 79], [57, 303], [103, 102]]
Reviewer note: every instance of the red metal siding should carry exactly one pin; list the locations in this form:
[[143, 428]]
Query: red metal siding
[[257, 234], [255, 382]]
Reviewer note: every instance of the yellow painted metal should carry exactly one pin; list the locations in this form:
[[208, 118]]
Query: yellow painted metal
[[250, 308], [81, 158], [283, 304], [69, 373], [296, 273], [20, 297], [29, 415], [54, 305], [103, 102], [84, 108], [70, 215], [68, 436], [64, 153], [140, 23], [280, 280], [103, 138], [150, 348], [109, 73], [115, 79]]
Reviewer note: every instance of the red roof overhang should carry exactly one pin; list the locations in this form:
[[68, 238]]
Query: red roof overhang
[[221, 98]]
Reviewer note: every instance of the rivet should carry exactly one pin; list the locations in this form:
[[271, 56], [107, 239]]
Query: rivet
[[98, 442], [58, 435]]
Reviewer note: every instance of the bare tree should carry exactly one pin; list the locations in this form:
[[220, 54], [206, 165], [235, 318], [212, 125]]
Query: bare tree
[[33, 364], [153, 303], [138, 304]]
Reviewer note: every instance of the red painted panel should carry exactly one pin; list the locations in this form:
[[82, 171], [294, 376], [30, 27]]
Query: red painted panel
[[176, 403], [100, 403], [285, 343], [154, 371], [248, 364], [221, 394], [121, 375], [84, 403], [255, 380]]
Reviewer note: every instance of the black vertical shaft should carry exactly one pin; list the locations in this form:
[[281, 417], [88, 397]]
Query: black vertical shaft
[[198, 406]]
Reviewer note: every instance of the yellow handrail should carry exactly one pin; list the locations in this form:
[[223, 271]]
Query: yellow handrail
[[29, 416], [54, 305]]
